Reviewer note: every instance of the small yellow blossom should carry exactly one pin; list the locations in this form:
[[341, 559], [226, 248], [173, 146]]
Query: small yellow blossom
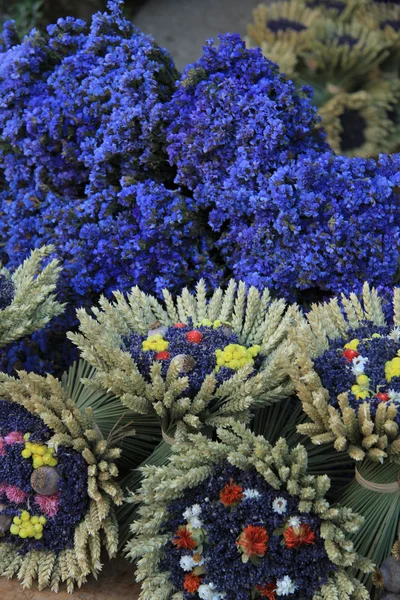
[[235, 356], [392, 368], [353, 345], [156, 343], [213, 324], [361, 389]]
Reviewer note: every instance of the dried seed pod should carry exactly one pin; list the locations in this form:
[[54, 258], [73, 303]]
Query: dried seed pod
[[391, 574], [45, 481], [160, 330], [226, 329], [5, 520], [185, 362]]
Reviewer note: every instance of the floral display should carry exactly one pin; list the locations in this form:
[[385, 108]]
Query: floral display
[[224, 522], [220, 172], [81, 126], [194, 362], [345, 366], [210, 384], [57, 486], [347, 51], [350, 361], [331, 223]]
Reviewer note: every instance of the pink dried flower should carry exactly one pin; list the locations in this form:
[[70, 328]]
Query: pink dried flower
[[16, 495], [2, 449], [14, 437], [48, 504]]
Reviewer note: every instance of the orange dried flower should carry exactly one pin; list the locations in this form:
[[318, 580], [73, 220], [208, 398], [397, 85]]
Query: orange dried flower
[[267, 591], [253, 540], [231, 494], [297, 536], [184, 539], [191, 583]]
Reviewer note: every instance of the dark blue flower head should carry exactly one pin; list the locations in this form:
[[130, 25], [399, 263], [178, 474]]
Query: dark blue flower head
[[234, 119], [81, 125], [6, 291], [322, 223]]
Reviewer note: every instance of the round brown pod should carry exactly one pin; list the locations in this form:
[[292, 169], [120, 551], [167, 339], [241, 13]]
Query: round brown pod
[[5, 520], [45, 481], [184, 362], [390, 569]]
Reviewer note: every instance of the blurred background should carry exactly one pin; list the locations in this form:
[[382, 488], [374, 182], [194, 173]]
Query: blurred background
[[347, 51], [182, 26]]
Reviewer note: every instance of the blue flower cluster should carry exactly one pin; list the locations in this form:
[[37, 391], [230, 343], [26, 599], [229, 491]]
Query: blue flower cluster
[[16, 492], [83, 166], [366, 365], [208, 528], [321, 224], [232, 121], [140, 177]]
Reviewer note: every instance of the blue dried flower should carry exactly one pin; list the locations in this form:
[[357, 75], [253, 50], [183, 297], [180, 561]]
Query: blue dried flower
[[6, 291]]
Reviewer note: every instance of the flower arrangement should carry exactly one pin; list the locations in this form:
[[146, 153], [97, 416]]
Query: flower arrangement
[[194, 362], [238, 519], [57, 486], [92, 134], [345, 366], [347, 51]]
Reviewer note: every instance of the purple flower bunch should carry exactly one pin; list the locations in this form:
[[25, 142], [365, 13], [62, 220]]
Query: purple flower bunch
[[234, 536], [320, 225], [83, 166], [52, 518]]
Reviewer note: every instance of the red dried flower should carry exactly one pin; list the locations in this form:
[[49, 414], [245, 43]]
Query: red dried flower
[[231, 494], [184, 539], [349, 354], [194, 336], [297, 536], [163, 355], [383, 397], [253, 540], [179, 325], [191, 583], [267, 591]]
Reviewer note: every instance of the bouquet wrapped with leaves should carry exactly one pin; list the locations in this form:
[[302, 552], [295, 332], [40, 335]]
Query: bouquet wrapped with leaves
[[239, 518], [345, 365], [194, 362], [57, 486], [348, 52], [27, 299]]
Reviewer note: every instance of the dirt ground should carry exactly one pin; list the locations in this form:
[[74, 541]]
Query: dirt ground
[[115, 582]]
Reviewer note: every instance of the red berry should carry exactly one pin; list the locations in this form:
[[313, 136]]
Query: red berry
[[195, 337], [350, 354], [383, 397], [163, 355], [179, 325]]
